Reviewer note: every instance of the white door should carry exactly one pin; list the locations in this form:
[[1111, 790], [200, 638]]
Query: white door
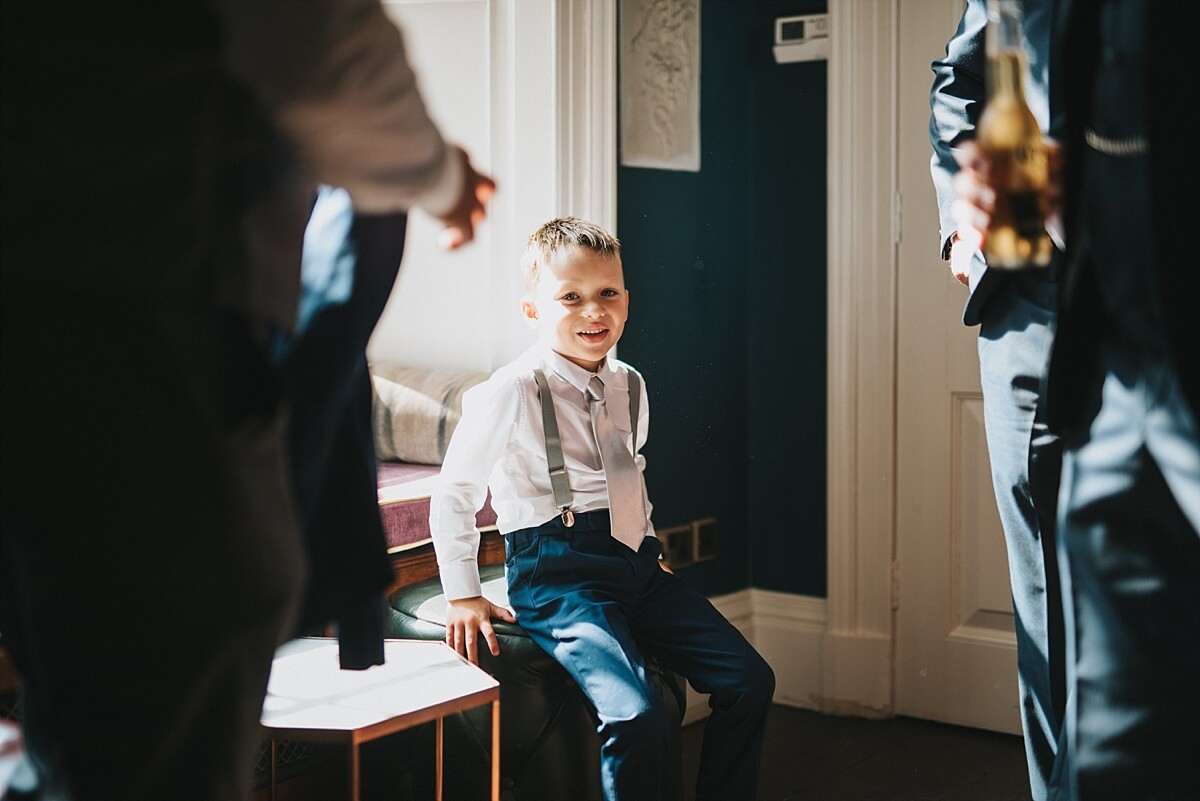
[[955, 646]]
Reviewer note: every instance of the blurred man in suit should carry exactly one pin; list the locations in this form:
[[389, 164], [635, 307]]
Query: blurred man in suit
[[1015, 313], [1124, 391], [160, 161]]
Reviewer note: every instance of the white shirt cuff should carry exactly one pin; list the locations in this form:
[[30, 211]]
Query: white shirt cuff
[[461, 580]]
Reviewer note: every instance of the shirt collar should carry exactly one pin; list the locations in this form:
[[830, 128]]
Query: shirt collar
[[575, 375]]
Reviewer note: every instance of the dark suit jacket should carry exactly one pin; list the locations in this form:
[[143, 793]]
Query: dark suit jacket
[[956, 101], [333, 449], [1174, 86]]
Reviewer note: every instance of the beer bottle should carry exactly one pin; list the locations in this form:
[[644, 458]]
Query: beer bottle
[[1010, 136]]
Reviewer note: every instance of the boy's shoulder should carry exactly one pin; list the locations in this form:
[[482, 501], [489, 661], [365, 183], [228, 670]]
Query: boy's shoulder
[[626, 368], [507, 379]]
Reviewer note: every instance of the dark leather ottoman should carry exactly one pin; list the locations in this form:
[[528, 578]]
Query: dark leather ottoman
[[549, 749]]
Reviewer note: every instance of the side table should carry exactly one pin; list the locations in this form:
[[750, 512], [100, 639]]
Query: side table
[[311, 699]]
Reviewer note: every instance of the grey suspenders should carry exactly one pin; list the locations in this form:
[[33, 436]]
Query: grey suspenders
[[554, 454]]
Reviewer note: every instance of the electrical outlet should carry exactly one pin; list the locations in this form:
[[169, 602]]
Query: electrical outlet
[[706, 538], [678, 545]]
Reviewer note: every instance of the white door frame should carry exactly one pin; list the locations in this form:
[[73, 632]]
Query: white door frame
[[858, 653]]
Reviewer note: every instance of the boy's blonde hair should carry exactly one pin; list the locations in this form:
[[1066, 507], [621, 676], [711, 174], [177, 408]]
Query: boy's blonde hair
[[559, 233]]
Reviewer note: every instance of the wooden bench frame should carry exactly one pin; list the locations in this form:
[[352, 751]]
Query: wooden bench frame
[[417, 562]]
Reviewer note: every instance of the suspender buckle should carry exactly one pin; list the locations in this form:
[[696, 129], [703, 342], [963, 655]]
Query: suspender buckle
[[568, 517]]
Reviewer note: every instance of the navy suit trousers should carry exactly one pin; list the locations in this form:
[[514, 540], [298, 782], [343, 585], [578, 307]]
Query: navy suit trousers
[[594, 605], [1016, 333], [1130, 513]]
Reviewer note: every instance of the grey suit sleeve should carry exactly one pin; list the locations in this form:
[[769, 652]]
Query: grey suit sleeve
[[955, 101], [336, 76]]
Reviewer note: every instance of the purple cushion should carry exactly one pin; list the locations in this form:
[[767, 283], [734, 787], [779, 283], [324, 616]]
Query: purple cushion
[[404, 489]]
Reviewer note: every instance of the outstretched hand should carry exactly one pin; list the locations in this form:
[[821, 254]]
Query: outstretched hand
[[460, 222], [467, 618]]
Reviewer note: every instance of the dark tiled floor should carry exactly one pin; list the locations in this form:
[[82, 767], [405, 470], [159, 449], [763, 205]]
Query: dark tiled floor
[[808, 756]]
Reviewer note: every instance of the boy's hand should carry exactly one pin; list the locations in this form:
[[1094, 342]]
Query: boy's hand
[[466, 618]]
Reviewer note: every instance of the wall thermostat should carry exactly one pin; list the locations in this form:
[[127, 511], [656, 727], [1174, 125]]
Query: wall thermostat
[[803, 38]]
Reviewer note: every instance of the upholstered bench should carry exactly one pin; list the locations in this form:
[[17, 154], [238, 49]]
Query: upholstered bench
[[549, 748]]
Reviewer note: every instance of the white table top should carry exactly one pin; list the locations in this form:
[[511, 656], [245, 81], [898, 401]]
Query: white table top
[[421, 680]]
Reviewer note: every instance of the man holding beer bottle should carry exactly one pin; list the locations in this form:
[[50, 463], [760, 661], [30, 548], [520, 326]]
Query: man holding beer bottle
[[1123, 390], [991, 92]]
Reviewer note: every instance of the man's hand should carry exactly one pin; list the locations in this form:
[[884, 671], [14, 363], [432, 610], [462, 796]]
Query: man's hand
[[467, 618], [975, 202], [960, 258], [1053, 199], [477, 189]]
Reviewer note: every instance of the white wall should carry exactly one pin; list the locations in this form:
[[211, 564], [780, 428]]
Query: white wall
[[527, 87], [442, 301]]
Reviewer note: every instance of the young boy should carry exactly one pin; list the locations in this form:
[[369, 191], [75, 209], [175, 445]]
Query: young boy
[[585, 584]]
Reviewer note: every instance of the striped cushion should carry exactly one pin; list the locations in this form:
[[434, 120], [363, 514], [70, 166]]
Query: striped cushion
[[416, 409]]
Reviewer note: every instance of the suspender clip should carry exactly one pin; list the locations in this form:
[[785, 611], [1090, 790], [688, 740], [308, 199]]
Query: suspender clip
[[568, 517]]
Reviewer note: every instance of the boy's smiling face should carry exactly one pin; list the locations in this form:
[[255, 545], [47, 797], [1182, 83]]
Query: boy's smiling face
[[580, 305]]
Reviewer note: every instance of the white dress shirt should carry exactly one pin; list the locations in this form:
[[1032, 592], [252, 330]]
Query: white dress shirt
[[499, 445]]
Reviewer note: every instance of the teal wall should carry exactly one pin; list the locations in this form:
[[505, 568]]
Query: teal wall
[[726, 270]]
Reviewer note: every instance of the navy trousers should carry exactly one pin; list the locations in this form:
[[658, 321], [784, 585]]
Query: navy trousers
[[1131, 510], [594, 605], [1016, 333]]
